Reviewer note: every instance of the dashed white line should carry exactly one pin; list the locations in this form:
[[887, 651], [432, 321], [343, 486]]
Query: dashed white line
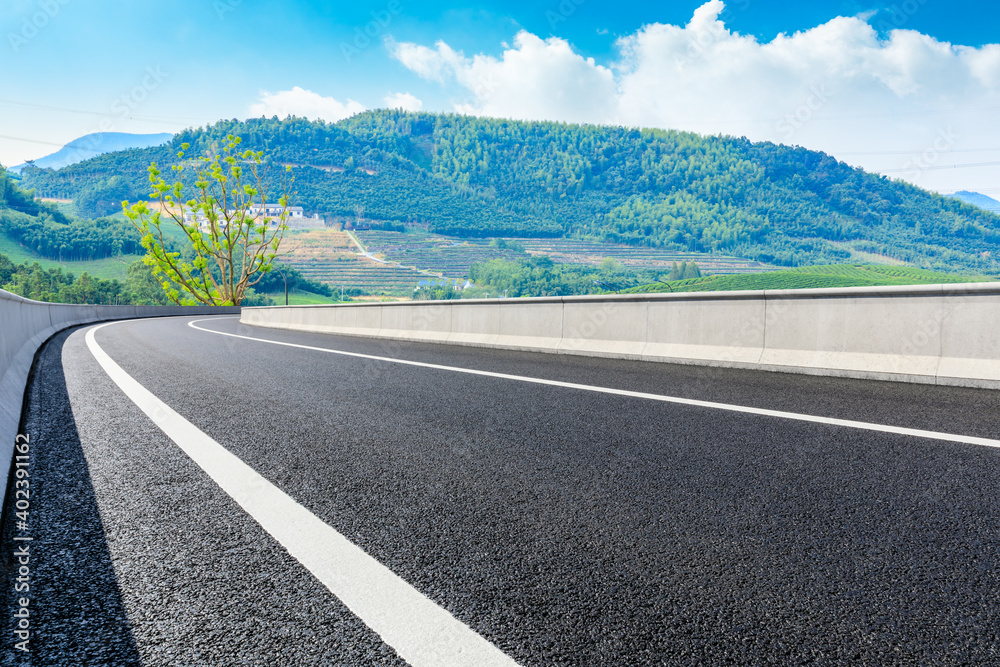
[[421, 632], [831, 421]]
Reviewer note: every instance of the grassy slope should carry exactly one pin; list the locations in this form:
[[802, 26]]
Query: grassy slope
[[109, 268], [809, 277], [300, 298]]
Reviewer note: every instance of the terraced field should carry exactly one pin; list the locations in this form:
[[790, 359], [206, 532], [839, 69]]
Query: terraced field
[[329, 256], [362, 274], [450, 257], [858, 255], [811, 277], [573, 251], [325, 244]]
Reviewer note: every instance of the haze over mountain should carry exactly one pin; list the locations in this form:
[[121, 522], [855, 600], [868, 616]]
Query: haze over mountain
[[480, 177], [977, 199], [92, 145]]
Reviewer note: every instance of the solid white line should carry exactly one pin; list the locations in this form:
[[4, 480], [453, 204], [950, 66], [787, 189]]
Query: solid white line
[[831, 421], [420, 631]]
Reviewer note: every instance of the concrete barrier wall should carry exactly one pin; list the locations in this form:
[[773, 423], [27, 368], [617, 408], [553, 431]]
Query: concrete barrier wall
[[942, 334], [25, 325]]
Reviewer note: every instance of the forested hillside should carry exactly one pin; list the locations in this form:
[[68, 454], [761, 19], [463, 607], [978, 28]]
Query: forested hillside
[[91, 145], [32, 281], [46, 231], [479, 177]]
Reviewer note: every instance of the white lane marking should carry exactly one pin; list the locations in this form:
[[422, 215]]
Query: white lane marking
[[421, 632], [831, 421]]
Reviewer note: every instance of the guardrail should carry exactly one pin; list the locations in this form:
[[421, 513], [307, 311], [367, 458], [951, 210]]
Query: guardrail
[[25, 325], [943, 334]]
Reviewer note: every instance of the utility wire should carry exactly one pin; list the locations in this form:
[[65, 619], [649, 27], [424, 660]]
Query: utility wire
[[886, 114], [942, 166], [953, 150], [31, 141], [155, 119]]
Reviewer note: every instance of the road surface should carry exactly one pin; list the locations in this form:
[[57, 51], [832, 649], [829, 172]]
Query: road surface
[[207, 493]]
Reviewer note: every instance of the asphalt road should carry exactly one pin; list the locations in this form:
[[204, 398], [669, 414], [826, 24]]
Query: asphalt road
[[562, 526]]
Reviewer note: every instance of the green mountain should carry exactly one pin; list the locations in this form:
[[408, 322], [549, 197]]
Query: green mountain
[[976, 199], [43, 229], [481, 177], [94, 144]]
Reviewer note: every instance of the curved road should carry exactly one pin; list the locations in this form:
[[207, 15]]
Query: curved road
[[229, 500]]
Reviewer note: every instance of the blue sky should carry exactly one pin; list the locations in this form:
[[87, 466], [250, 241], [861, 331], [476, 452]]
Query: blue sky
[[908, 88]]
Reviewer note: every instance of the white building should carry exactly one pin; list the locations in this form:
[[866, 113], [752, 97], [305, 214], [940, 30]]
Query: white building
[[271, 212], [275, 210]]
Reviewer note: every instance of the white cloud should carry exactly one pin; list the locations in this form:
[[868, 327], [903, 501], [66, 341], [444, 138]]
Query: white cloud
[[431, 64], [304, 103], [535, 79], [837, 87], [984, 64], [404, 101]]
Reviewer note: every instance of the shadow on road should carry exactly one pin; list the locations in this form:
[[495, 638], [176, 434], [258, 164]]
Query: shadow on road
[[64, 572]]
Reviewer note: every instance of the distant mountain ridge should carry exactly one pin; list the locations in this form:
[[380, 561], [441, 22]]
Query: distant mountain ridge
[[976, 199], [482, 177], [94, 144]]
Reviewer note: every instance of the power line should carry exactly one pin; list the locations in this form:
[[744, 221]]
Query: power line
[[893, 114], [886, 114], [953, 150], [943, 166], [156, 119], [47, 143], [31, 141]]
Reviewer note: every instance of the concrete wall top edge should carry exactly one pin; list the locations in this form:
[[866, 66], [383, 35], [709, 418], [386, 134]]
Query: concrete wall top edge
[[585, 298], [941, 289], [7, 296], [937, 289], [424, 304], [732, 295]]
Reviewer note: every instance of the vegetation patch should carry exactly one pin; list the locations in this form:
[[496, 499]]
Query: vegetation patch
[[478, 178], [811, 277]]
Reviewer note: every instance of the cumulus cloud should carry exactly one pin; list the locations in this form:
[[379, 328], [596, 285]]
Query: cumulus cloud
[[304, 103], [838, 87], [535, 79], [404, 101], [431, 64]]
